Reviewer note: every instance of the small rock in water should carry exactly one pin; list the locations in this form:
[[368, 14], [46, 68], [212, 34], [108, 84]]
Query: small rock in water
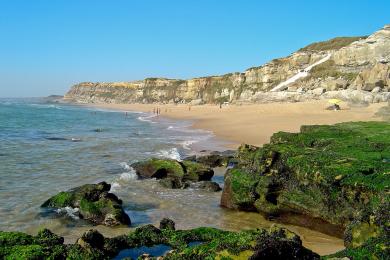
[[94, 202], [167, 223], [56, 138]]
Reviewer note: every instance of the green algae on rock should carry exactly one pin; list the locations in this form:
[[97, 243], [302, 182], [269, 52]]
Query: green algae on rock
[[174, 174], [94, 202], [210, 243], [331, 173]]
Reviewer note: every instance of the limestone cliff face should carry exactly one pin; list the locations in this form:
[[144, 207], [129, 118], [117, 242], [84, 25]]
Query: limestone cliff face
[[366, 52], [355, 64]]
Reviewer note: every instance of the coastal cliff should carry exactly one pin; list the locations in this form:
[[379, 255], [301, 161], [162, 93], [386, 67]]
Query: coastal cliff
[[350, 68]]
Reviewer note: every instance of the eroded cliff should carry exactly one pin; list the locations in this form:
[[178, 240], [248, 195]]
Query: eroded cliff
[[357, 68]]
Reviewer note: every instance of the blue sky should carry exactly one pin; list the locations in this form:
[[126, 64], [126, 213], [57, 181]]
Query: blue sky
[[46, 46]]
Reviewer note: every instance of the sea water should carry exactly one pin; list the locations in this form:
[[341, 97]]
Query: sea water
[[46, 148]]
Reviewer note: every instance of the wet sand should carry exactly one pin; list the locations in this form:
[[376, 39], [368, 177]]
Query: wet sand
[[254, 124]]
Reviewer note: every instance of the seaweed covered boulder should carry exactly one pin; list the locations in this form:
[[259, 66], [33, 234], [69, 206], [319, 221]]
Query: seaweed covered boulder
[[211, 243], [372, 248], [198, 243], [94, 203], [174, 174], [17, 245], [331, 174]]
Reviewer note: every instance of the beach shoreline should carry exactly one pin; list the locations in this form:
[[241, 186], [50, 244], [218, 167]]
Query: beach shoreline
[[253, 123]]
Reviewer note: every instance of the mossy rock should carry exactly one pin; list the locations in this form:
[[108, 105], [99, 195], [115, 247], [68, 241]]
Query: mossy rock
[[373, 248], [333, 173], [17, 245], [239, 191], [211, 243], [197, 172], [159, 169], [94, 202], [172, 173]]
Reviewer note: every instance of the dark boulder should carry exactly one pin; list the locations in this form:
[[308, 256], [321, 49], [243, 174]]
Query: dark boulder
[[171, 173], [94, 202], [159, 169], [167, 223], [91, 239]]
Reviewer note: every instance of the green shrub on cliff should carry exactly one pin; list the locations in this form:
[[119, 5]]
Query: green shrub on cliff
[[332, 44]]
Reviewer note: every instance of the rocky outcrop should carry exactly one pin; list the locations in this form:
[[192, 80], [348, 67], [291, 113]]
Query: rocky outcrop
[[177, 175], [325, 177], [375, 79], [92, 202], [365, 52], [350, 59]]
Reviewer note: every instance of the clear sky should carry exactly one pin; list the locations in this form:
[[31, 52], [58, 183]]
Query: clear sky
[[46, 46]]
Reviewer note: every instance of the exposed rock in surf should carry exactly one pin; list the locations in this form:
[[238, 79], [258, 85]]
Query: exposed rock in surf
[[94, 202], [56, 138], [173, 174], [213, 159], [206, 185]]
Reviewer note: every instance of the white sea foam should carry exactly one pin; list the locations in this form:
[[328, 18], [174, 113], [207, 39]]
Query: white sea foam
[[124, 177], [172, 153], [69, 211], [187, 144], [147, 118], [115, 186], [128, 176], [124, 165]]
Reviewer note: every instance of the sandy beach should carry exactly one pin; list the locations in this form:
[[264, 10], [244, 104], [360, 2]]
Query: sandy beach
[[254, 124]]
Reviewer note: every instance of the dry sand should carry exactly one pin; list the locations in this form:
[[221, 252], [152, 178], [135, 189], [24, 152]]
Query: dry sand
[[254, 124]]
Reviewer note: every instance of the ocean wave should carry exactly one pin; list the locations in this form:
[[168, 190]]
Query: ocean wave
[[115, 186], [124, 165], [98, 109], [147, 118], [172, 153], [128, 176], [187, 144], [44, 106], [124, 177]]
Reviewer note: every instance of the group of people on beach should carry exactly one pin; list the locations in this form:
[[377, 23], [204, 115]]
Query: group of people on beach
[[157, 110]]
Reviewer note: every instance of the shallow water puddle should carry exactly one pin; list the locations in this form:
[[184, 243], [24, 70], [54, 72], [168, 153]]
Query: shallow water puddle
[[134, 253]]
